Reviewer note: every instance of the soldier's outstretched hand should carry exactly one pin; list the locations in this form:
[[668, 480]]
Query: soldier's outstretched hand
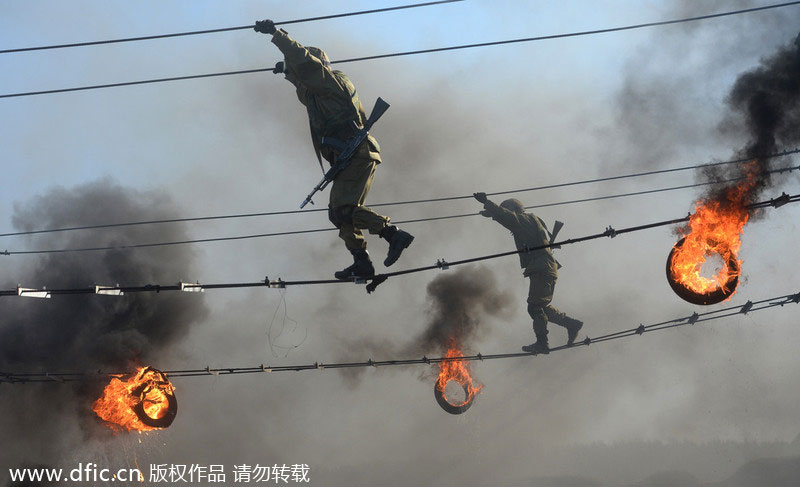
[[481, 197], [265, 26], [279, 68]]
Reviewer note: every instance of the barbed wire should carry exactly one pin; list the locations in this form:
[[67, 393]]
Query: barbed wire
[[375, 281], [693, 319]]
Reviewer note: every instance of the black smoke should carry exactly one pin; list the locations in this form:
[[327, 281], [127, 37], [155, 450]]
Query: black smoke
[[88, 333], [458, 304], [764, 110]]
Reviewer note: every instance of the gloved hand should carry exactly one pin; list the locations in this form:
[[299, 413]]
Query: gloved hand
[[481, 197], [265, 26], [279, 68], [485, 213]]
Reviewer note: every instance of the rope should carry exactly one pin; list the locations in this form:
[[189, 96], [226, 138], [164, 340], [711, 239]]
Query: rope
[[379, 278], [399, 222], [225, 29], [694, 318], [422, 51], [435, 200]]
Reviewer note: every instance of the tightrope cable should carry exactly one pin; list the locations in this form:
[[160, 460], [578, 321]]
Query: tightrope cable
[[224, 29], [399, 222], [377, 279], [421, 51], [435, 200], [693, 319]]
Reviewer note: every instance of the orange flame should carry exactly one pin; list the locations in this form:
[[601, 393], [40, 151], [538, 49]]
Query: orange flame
[[459, 371], [148, 387], [714, 228]]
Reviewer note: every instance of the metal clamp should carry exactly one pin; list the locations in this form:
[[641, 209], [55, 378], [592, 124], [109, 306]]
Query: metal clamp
[[442, 264], [641, 329], [191, 288], [109, 290], [780, 200], [747, 307], [610, 232], [693, 319], [32, 293], [279, 284]]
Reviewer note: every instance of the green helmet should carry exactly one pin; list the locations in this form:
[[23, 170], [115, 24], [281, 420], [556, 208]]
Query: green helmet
[[514, 205], [319, 54]]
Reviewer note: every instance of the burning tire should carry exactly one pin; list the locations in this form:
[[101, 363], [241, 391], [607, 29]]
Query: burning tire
[[703, 297], [160, 386], [141, 401], [446, 405]]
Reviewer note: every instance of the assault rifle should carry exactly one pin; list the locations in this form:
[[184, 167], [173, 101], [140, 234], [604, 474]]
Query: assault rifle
[[346, 149]]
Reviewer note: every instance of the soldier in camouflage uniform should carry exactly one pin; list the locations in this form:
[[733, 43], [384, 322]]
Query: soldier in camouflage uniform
[[335, 111], [539, 266]]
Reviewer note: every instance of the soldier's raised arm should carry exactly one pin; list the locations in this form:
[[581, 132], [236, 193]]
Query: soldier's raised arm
[[504, 217], [313, 72]]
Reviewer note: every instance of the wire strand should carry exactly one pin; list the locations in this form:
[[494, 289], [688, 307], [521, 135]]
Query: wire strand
[[224, 29], [379, 278], [421, 51], [399, 222], [693, 319], [418, 201]]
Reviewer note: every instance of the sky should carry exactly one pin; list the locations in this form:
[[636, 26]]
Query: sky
[[487, 119]]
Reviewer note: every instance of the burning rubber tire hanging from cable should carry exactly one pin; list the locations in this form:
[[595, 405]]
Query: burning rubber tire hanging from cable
[[143, 401], [715, 228], [151, 396], [447, 405], [683, 275], [455, 371]]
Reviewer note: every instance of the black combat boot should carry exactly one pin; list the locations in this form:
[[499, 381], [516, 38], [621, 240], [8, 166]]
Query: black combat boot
[[398, 241], [540, 347], [361, 269], [573, 326]]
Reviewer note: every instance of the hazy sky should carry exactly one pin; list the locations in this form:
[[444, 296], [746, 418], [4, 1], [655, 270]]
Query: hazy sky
[[487, 119]]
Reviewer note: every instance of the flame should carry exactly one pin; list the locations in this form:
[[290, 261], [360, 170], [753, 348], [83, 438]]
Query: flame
[[459, 371], [147, 386], [714, 228]]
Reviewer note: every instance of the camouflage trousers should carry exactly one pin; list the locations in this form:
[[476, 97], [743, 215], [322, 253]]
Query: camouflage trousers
[[540, 294], [346, 208]]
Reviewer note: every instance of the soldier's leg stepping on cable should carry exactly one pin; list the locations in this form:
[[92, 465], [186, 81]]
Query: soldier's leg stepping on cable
[[362, 267]]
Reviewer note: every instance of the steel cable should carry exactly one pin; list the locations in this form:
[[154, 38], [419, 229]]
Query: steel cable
[[432, 200], [379, 278], [421, 51], [399, 222], [693, 319], [224, 29]]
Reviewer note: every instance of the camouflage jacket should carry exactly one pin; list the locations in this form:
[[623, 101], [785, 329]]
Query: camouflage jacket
[[329, 97], [529, 231]]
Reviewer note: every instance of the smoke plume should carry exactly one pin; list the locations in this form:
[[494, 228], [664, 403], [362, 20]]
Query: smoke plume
[[88, 333], [764, 109], [458, 302]]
